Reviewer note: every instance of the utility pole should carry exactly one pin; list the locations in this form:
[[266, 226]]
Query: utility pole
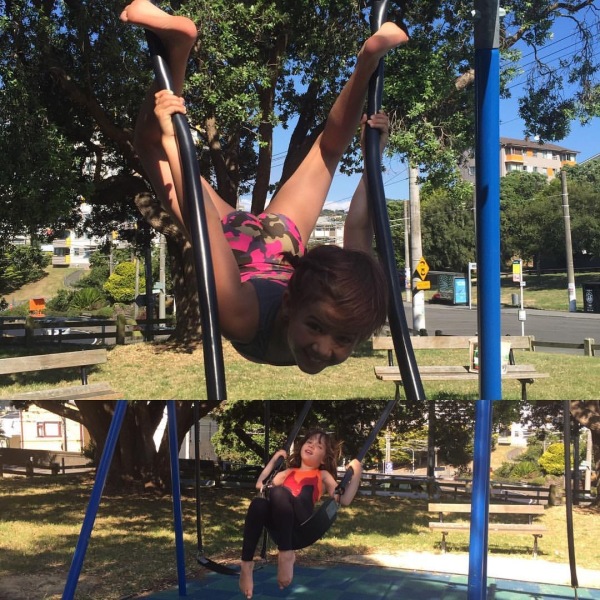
[[407, 269], [568, 244], [416, 248]]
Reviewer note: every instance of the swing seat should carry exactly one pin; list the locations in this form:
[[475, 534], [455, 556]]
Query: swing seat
[[314, 528]]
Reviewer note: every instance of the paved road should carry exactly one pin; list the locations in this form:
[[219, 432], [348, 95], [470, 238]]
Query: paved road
[[546, 326]]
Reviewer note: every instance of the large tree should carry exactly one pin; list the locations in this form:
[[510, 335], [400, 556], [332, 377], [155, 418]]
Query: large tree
[[585, 413], [80, 75], [137, 459]]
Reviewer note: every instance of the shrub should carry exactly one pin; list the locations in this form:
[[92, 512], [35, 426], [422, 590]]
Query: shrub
[[121, 284], [106, 312], [88, 298], [553, 460], [61, 302], [525, 469]]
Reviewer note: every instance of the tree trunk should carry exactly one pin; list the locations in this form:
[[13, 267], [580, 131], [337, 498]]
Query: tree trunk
[[136, 459], [587, 414]]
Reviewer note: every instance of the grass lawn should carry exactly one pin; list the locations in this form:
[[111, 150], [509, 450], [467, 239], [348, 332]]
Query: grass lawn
[[165, 371], [47, 287], [132, 546]]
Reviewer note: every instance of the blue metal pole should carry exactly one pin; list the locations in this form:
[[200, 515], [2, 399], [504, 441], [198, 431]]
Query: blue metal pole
[[94, 503], [487, 185], [176, 486]]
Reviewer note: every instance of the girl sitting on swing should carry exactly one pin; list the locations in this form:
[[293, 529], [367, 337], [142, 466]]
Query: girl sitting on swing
[[292, 495], [277, 304]]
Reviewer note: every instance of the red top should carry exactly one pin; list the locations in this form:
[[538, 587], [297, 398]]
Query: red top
[[298, 478]]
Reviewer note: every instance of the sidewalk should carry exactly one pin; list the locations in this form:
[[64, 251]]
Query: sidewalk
[[499, 567]]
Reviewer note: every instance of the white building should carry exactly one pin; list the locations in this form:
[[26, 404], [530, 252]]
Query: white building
[[528, 155], [39, 429], [71, 250], [328, 230]]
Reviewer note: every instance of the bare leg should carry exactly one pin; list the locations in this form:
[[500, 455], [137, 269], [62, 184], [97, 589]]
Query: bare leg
[[285, 567], [302, 197], [178, 34], [247, 578]]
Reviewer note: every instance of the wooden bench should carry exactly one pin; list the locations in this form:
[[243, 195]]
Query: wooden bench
[[529, 510], [82, 359], [525, 374]]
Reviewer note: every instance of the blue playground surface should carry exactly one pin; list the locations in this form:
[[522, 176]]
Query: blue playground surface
[[360, 583]]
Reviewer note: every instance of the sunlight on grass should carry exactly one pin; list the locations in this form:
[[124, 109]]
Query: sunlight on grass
[[132, 546]]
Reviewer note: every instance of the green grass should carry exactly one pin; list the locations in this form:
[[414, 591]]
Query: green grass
[[165, 371], [132, 547], [47, 287]]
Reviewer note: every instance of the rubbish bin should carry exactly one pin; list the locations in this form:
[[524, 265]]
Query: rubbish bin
[[452, 288], [591, 297]]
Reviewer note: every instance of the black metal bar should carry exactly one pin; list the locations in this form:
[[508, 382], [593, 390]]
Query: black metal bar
[[389, 407], [211, 338], [201, 558], [569, 492], [398, 325]]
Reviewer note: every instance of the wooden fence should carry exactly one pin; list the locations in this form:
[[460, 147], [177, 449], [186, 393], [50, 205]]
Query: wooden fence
[[17, 461], [122, 330], [377, 484]]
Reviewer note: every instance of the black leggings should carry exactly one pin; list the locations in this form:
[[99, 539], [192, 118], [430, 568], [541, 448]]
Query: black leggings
[[280, 512]]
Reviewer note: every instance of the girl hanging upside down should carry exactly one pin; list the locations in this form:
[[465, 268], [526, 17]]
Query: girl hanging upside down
[[291, 499], [277, 303]]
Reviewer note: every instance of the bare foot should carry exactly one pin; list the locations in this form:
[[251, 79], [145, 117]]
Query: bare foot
[[247, 578], [169, 28], [387, 37], [285, 567]]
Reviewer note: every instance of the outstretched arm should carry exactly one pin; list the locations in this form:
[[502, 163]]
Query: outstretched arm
[[358, 229], [354, 484]]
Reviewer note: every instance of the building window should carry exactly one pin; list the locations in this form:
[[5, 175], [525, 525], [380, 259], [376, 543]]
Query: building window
[[471, 171], [535, 169], [49, 429]]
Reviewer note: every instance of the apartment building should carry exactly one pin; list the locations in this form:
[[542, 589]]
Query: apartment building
[[527, 155], [329, 229]]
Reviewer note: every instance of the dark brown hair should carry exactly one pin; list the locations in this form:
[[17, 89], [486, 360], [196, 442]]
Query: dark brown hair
[[351, 280], [332, 451]]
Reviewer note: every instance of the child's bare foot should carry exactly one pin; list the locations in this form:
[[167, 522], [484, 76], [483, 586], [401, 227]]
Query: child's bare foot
[[169, 28], [387, 37], [285, 568], [247, 578]]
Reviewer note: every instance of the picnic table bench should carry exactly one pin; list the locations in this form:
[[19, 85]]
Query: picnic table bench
[[525, 374], [82, 359], [528, 510]]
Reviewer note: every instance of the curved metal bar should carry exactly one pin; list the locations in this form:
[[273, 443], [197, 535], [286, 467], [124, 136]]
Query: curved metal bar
[[211, 338], [398, 325]]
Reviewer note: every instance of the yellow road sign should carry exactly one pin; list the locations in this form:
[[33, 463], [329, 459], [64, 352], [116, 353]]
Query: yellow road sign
[[423, 285], [422, 268]]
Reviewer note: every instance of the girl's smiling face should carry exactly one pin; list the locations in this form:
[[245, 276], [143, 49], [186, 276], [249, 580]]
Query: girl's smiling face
[[316, 342], [312, 452]]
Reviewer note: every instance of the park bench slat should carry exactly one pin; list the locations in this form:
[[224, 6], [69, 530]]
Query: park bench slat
[[61, 360], [445, 527], [91, 391], [43, 362]]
